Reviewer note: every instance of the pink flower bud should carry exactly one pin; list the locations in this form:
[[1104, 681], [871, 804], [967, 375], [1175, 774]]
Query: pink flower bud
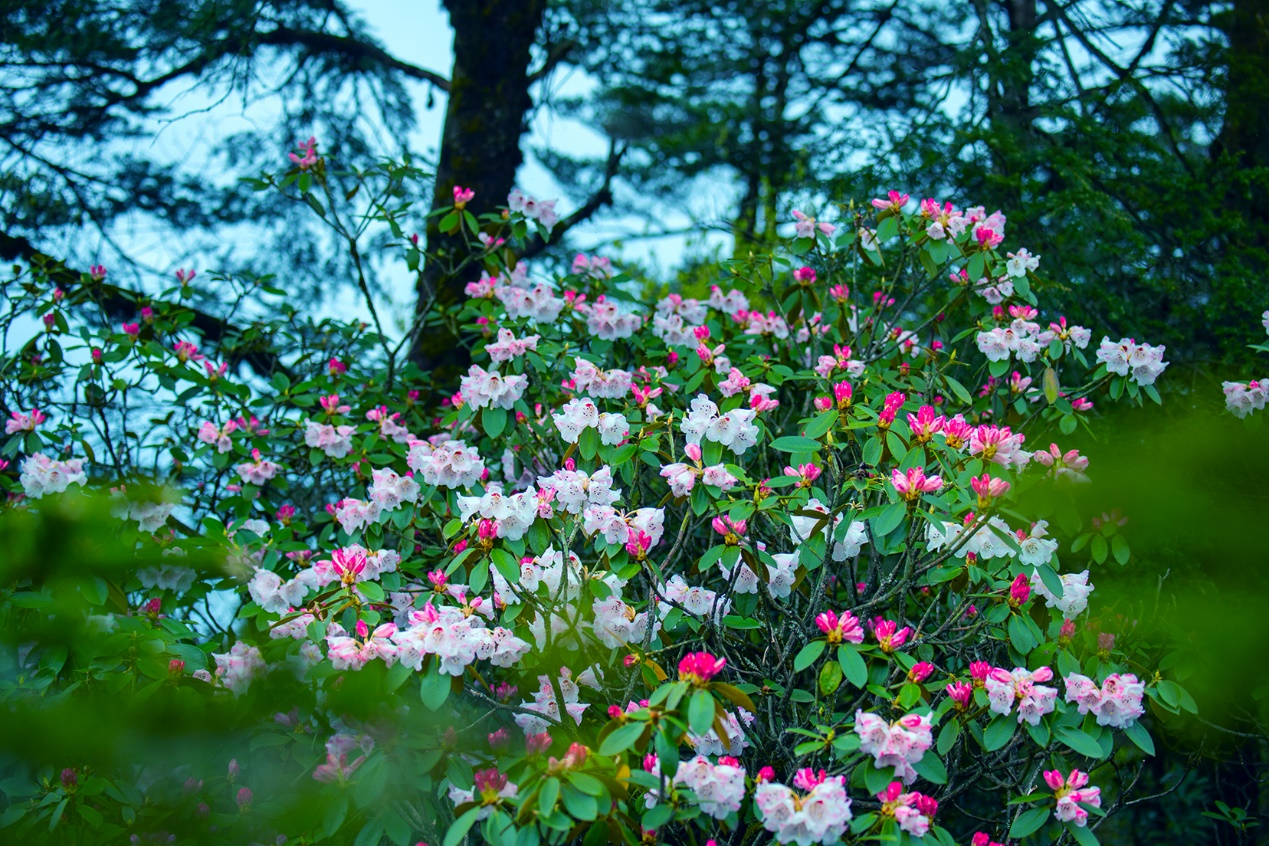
[[765, 774], [536, 744], [961, 694], [243, 799], [1019, 591], [920, 672], [1054, 779]]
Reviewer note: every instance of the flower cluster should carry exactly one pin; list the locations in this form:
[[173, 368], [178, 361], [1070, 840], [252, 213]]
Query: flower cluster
[[1140, 362], [1070, 793], [777, 521], [819, 815], [1116, 702], [1021, 688], [899, 744]]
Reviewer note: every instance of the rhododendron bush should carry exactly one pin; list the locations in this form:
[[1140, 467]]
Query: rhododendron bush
[[785, 561]]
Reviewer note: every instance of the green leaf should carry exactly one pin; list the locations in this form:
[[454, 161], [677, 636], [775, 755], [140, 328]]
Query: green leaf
[[700, 712], [461, 826], [808, 655], [977, 264], [657, 816], [539, 535], [889, 519], [1051, 387], [588, 443], [959, 390], [370, 781], [494, 420], [1137, 734], [830, 678], [1020, 635], [872, 451], [999, 731], [588, 784], [820, 426], [794, 443], [1082, 834], [506, 564], [1079, 741], [931, 769], [578, 804], [927, 262], [372, 832], [1119, 548], [853, 666], [434, 688], [947, 736], [549, 794], [1050, 579], [57, 814], [91, 815], [734, 695], [336, 811], [1039, 733], [876, 779], [1029, 822], [623, 738]]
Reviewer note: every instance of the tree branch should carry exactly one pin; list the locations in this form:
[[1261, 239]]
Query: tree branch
[[121, 304], [352, 48]]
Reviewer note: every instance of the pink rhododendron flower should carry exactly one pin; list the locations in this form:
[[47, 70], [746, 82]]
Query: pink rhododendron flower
[[843, 628], [818, 816], [912, 484], [1070, 792], [806, 227], [20, 422], [899, 744], [1116, 703], [1022, 688]]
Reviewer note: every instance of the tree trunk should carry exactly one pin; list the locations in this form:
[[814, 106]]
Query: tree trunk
[[480, 149], [1243, 142]]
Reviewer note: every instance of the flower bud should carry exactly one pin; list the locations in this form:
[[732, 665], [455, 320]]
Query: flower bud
[[920, 672]]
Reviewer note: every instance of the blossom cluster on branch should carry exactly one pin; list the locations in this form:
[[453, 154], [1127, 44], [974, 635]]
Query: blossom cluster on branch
[[755, 564]]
